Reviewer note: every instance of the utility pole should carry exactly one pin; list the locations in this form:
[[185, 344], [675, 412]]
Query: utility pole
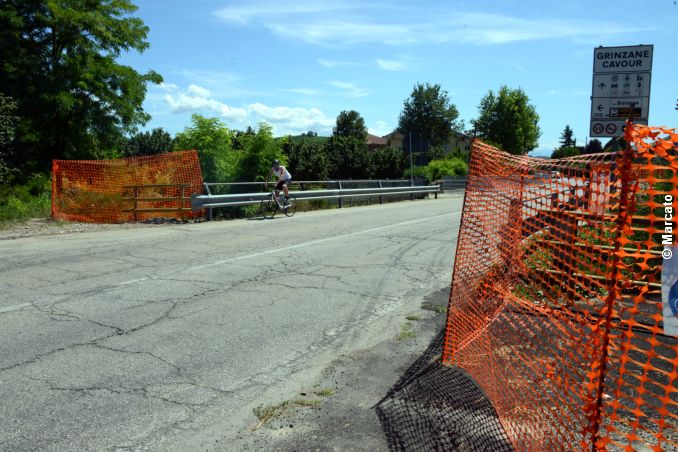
[[411, 167]]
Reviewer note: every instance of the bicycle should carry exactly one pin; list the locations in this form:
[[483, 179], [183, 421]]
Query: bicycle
[[271, 205]]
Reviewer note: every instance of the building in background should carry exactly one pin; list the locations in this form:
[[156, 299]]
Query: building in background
[[458, 142]]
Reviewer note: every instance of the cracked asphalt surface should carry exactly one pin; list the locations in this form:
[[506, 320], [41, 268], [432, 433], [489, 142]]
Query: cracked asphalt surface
[[166, 339]]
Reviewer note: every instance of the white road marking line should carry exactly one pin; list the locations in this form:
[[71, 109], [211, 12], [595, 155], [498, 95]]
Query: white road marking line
[[315, 242], [131, 281], [16, 307], [264, 253]]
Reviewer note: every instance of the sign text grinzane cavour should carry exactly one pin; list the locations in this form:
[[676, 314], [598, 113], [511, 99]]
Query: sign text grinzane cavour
[[623, 59]]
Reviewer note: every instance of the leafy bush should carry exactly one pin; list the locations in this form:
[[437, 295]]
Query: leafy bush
[[418, 172], [446, 167], [32, 199]]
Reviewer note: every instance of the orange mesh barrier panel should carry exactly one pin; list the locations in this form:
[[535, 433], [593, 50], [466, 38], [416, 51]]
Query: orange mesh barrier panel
[[556, 301], [100, 191]]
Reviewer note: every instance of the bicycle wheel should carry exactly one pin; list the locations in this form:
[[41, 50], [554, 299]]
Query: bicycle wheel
[[291, 206], [268, 208]]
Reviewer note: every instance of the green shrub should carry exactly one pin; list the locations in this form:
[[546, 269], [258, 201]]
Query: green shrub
[[437, 169], [31, 199]]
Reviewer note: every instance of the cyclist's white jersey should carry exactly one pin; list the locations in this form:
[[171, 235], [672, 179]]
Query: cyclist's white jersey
[[282, 173]]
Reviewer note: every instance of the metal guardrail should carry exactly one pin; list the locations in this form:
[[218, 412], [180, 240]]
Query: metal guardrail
[[211, 201], [305, 184], [452, 183]]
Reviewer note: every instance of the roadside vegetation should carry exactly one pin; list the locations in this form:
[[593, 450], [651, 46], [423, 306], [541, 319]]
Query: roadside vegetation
[[22, 201], [266, 413], [53, 81]]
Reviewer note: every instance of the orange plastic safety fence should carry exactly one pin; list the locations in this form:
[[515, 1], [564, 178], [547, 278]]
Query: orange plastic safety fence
[[556, 304], [104, 191]]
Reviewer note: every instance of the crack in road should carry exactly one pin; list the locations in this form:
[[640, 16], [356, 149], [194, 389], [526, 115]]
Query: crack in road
[[360, 283]]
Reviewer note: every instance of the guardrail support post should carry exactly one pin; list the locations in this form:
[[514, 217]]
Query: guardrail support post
[[341, 201], [381, 198], [136, 195]]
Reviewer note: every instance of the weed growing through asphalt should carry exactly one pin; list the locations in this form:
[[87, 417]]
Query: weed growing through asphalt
[[268, 412], [413, 317], [307, 402], [406, 332], [325, 392], [440, 309]]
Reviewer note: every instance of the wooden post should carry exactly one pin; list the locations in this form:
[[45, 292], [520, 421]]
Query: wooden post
[[136, 195], [181, 203]]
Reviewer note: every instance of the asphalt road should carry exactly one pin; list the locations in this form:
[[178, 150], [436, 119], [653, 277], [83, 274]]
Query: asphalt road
[[167, 338]]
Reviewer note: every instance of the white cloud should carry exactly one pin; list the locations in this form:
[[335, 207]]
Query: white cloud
[[336, 63], [344, 32], [391, 65], [303, 91], [219, 83], [247, 12], [285, 120], [343, 23], [380, 129], [184, 102], [350, 89], [168, 86], [198, 91]]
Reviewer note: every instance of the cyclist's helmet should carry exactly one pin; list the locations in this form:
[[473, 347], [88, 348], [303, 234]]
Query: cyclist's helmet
[[276, 162]]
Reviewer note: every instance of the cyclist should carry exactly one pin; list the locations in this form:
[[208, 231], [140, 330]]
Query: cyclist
[[284, 178]]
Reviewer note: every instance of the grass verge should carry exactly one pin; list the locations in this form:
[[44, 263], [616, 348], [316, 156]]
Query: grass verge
[[406, 332]]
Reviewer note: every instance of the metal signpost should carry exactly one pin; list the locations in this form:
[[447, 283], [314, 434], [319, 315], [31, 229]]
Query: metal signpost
[[621, 88]]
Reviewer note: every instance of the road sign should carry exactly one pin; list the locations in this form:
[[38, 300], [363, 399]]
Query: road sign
[[609, 128], [618, 108], [623, 59], [621, 88], [621, 84]]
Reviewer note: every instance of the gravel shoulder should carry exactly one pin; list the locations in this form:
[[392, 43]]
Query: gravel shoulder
[[36, 227], [395, 396]]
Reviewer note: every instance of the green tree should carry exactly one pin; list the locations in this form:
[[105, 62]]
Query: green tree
[[508, 121], [240, 138], [259, 152], [212, 140], [567, 139], [429, 116], [350, 124], [593, 147], [562, 152], [347, 153], [157, 141], [8, 120], [349, 158], [308, 160], [389, 163], [58, 61]]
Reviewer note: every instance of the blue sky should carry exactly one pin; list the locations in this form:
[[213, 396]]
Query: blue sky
[[297, 64]]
